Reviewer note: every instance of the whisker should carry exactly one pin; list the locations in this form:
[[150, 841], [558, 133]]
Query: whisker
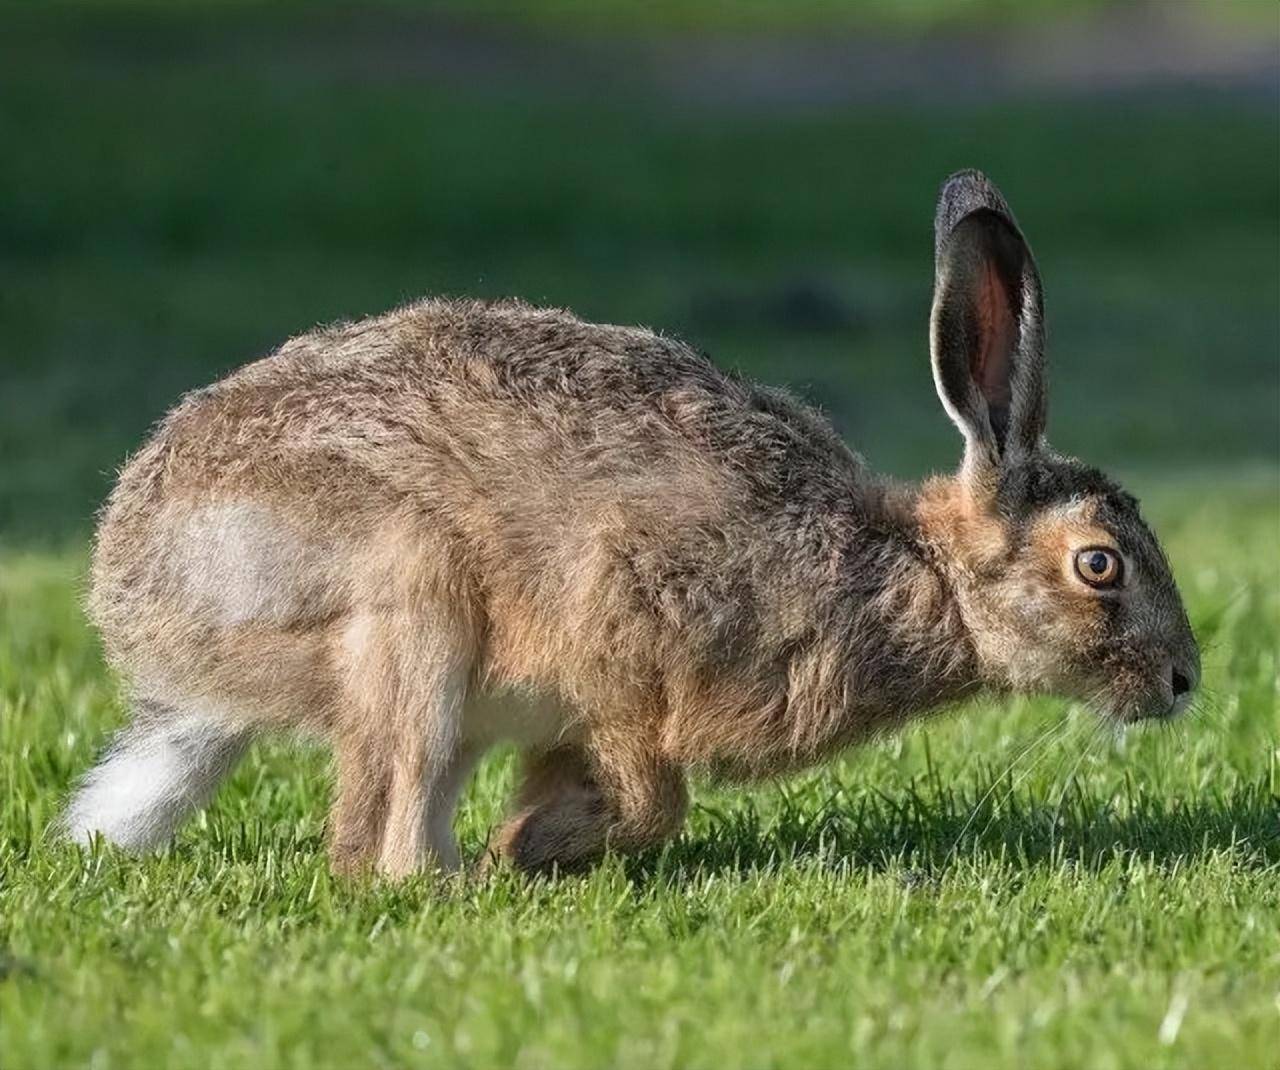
[[1064, 728], [1209, 705], [1089, 743], [1038, 742]]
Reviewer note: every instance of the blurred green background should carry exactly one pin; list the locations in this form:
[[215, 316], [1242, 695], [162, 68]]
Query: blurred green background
[[184, 186]]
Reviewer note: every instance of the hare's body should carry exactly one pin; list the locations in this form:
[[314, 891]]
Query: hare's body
[[462, 523]]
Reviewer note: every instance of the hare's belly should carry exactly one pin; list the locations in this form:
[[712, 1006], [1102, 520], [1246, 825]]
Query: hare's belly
[[514, 714]]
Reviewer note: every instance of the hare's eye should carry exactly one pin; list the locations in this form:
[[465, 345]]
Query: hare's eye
[[1099, 567]]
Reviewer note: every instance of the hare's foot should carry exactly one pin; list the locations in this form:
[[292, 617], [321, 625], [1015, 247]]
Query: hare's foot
[[573, 806]]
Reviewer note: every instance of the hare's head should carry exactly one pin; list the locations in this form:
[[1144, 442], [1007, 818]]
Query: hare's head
[[1062, 585]]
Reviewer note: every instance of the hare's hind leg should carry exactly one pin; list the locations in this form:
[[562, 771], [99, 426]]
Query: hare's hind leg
[[155, 772], [575, 804], [401, 757]]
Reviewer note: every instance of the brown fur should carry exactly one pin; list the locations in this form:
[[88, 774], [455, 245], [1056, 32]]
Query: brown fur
[[461, 522]]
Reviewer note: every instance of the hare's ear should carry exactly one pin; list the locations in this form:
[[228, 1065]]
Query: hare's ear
[[986, 331]]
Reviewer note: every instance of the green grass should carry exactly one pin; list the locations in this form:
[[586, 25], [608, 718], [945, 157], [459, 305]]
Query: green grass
[[939, 899], [180, 192]]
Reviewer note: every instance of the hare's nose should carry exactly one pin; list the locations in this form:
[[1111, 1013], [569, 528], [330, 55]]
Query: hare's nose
[[1181, 682]]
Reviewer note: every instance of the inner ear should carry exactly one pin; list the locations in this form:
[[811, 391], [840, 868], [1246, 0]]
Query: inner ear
[[995, 304], [986, 327]]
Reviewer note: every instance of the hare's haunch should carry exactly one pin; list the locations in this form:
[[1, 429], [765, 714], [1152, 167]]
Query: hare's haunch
[[462, 523]]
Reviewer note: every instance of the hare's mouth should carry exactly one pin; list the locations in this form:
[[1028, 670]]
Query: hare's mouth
[[1138, 685], [1164, 710], [1157, 702]]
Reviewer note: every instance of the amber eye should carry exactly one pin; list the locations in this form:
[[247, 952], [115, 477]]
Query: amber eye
[[1099, 567]]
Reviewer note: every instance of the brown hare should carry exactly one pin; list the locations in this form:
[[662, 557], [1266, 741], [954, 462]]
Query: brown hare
[[461, 523]]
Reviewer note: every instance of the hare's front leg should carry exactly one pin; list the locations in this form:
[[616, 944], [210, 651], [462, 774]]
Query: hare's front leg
[[400, 751], [575, 804]]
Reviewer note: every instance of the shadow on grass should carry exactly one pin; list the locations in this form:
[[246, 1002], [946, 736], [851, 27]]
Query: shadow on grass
[[924, 835]]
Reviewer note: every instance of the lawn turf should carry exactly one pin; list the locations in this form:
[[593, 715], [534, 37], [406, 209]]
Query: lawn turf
[[1010, 886]]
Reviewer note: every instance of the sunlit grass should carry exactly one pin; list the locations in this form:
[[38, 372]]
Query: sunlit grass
[[1009, 886]]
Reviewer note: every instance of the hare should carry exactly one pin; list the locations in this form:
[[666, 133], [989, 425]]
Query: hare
[[461, 523]]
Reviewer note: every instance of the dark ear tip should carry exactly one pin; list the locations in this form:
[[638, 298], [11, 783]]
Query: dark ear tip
[[964, 177], [964, 193]]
